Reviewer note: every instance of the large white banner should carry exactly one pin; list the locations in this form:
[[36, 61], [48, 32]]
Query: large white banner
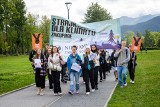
[[65, 33]]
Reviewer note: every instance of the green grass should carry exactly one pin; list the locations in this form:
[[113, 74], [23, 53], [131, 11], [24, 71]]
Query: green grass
[[146, 90], [15, 72]]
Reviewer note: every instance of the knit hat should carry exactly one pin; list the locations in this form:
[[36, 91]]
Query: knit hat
[[88, 47]]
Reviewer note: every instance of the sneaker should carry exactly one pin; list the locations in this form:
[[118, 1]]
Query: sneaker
[[83, 82], [55, 94], [77, 92], [41, 93], [125, 84], [132, 82], [38, 93], [93, 90], [87, 93], [121, 86], [71, 93], [100, 80], [60, 93]]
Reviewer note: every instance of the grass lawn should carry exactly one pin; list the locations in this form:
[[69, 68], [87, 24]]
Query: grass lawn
[[146, 90], [15, 72]]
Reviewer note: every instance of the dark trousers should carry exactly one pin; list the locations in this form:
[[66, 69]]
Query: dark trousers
[[96, 69], [56, 80], [83, 71], [50, 79], [88, 76], [102, 71], [63, 72], [40, 80], [131, 70]]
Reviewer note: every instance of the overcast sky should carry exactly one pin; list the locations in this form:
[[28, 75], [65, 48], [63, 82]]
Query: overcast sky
[[117, 8]]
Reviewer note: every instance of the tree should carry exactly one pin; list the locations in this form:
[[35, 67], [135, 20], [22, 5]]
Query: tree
[[148, 40], [44, 29], [128, 37], [18, 20], [158, 44], [139, 34], [96, 13]]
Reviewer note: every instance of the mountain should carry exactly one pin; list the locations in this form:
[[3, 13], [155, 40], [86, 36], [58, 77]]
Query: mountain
[[152, 25], [124, 20]]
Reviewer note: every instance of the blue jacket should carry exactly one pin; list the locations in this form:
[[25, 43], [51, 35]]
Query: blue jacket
[[69, 62]]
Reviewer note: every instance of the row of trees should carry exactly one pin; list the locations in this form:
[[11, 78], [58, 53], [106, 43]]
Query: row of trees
[[149, 39], [16, 27]]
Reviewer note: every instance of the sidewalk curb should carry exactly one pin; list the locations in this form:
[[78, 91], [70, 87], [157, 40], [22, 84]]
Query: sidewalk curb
[[10, 92], [110, 95]]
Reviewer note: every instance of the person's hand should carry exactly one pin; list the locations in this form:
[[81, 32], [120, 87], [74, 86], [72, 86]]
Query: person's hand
[[120, 50], [41, 63], [51, 60], [133, 58], [121, 63], [35, 63]]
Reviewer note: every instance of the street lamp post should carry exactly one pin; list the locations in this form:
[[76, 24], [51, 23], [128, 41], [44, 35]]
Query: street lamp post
[[68, 5]]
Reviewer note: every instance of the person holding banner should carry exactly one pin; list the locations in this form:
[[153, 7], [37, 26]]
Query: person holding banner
[[74, 69], [88, 70], [54, 63], [96, 68], [39, 71], [123, 56]]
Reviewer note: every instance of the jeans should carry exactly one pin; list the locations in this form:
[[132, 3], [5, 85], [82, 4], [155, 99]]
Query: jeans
[[72, 75], [122, 74]]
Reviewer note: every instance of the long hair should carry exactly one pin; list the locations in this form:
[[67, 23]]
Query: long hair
[[52, 50], [38, 55], [96, 50], [87, 53]]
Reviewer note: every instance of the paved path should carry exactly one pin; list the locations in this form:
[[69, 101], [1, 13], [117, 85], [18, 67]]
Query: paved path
[[27, 97]]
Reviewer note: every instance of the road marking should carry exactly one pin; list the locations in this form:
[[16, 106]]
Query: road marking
[[110, 95]]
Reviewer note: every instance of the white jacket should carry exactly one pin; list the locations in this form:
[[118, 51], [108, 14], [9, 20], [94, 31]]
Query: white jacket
[[56, 66], [97, 61]]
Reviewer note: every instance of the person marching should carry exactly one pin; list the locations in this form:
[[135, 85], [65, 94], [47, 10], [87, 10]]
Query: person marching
[[114, 65], [88, 70], [54, 61], [123, 56], [96, 68], [102, 65], [39, 71], [132, 65], [74, 70], [108, 62]]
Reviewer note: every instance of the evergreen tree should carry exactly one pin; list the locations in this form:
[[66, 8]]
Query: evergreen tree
[[111, 37], [96, 13]]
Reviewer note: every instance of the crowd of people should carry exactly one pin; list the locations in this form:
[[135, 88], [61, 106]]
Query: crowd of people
[[95, 63]]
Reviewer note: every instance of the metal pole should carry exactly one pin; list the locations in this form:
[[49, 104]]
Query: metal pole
[[68, 4]]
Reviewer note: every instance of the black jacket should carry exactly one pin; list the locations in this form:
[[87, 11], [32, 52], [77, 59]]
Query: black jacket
[[32, 53], [87, 62]]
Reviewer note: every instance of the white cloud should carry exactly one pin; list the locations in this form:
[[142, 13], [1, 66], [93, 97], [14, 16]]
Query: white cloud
[[117, 8]]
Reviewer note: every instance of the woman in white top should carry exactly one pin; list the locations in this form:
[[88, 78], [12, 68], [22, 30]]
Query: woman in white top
[[55, 67]]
